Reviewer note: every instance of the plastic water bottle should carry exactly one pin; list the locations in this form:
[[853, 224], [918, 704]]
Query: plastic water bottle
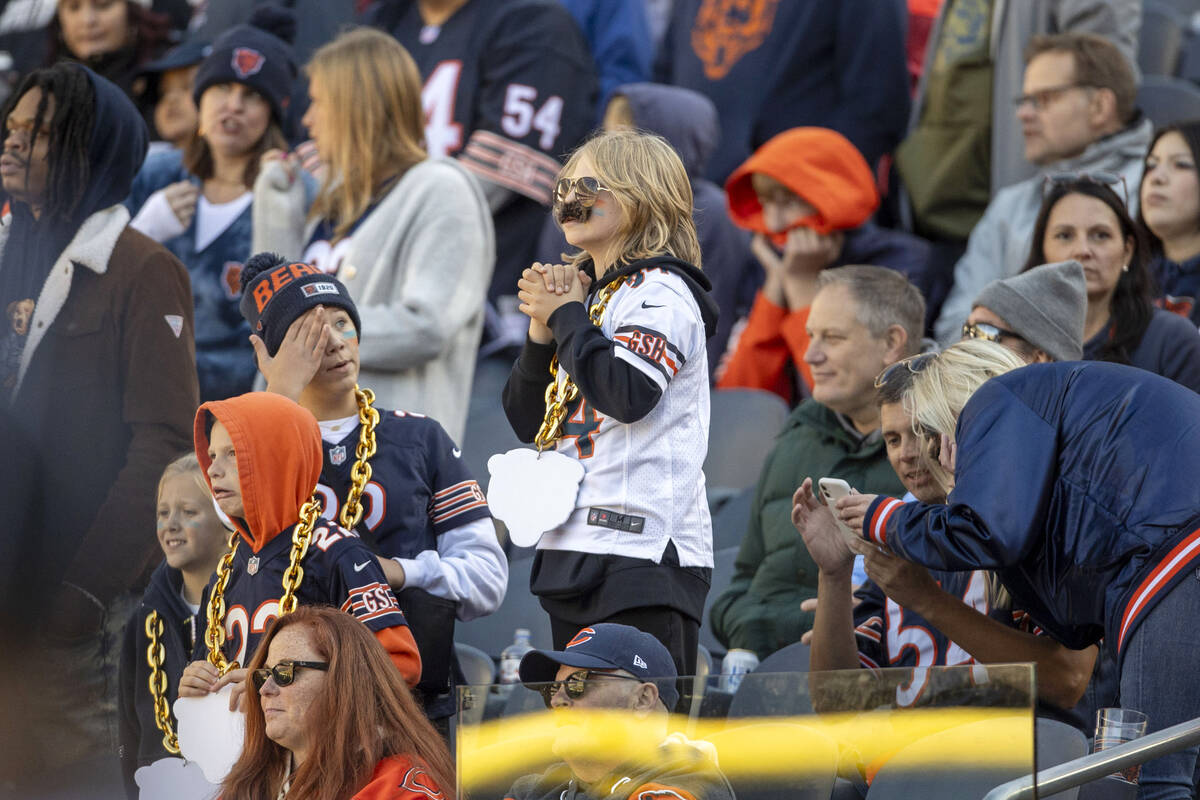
[[510, 658]]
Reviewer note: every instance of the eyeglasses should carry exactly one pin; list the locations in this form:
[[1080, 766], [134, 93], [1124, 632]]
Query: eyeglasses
[[576, 684], [1040, 98], [586, 189], [914, 364], [284, 672], [1109, 179], [987, 332]]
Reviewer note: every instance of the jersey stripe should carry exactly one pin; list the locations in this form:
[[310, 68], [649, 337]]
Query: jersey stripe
[[511, 164], [1179, 557], [458, 499], [877, 529]]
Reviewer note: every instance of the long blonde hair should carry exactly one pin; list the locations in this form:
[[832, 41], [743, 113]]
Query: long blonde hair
[[651, 186], [374, 85], [941, 389]]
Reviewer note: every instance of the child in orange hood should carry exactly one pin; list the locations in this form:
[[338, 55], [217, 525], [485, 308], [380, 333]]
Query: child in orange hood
[[261, 454]]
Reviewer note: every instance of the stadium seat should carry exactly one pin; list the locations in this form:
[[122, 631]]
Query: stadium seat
[[1184, 8], [742, 428], [520, 609], [721, 576], [729, 521], [771, 688], [1160, 40], [477, 667], [1167, 100], [1057, 743]]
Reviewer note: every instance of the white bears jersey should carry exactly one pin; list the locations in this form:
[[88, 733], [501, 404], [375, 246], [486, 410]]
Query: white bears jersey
[[643, 482]]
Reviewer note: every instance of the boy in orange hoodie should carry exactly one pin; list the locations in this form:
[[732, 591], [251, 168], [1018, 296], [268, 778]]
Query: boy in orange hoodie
[[808, 196], [261, 454]]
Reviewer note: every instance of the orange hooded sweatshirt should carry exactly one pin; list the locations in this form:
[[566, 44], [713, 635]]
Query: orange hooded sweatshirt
[[824, 168], [277, 446]]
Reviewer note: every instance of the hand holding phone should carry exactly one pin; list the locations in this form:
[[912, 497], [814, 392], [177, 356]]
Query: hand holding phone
[[831, 490]]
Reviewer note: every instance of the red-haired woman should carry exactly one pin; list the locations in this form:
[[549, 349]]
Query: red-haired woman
[[333, 720]]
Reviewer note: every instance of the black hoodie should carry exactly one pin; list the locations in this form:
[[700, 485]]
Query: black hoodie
[[141, 742], [613, 386]]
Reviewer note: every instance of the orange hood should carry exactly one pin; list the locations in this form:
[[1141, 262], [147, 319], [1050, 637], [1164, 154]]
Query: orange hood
[[819, 165], [278, 449]]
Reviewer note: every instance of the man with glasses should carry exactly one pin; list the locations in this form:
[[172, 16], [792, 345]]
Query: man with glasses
[[613, 667], [1077, 115]]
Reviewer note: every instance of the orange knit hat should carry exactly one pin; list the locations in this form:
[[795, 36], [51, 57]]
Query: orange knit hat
[[819, 165]]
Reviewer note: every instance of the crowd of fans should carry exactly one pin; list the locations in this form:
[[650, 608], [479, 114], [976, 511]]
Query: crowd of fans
[[251, 255]]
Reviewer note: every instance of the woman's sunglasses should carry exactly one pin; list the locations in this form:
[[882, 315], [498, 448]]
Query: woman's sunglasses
[[284, 672], [587, 189], [913, 364], [1109, 179], [576, 684], [987, 332]]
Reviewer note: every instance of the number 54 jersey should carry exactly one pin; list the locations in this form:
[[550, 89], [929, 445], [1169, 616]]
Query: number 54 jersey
[[643, 483], [509, 88]]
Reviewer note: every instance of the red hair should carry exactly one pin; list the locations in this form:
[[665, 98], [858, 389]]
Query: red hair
[[366, 715]]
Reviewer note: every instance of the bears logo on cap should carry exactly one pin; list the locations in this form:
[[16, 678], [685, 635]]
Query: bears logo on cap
[[584, 635], [247, 62]]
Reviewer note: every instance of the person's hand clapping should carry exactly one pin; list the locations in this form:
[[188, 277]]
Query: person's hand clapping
[[299, 355]]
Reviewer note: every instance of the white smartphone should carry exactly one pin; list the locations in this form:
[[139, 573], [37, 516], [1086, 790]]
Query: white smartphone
[[831, 490]]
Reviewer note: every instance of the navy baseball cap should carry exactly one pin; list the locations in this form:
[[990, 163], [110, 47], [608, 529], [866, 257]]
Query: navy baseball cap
[[608, 645]]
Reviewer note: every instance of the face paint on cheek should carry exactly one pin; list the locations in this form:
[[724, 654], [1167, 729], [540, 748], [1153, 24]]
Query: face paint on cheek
[[349, 333]]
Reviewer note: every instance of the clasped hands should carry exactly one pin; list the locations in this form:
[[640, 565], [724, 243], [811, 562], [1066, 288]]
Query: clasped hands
[[543, 289]]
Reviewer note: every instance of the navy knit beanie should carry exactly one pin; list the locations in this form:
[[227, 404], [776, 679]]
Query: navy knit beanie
[[275, 293], [257, 54]]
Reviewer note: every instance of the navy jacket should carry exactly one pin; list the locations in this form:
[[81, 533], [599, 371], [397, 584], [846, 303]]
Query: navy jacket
[[1076, 482]]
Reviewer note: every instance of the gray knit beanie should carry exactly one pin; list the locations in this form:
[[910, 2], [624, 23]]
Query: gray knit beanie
[[1045, 305]]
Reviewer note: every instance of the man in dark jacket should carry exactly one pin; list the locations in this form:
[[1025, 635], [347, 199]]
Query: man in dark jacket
[[863, 319], [101, 376]]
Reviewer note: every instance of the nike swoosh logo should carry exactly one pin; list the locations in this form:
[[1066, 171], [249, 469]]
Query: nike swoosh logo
[[457, 453], [647, 305], [361, 567]]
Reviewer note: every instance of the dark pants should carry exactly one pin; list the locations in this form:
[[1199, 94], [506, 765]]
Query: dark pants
[[679, 633]]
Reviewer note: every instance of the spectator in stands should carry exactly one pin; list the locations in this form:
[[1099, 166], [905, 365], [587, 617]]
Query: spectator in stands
[[1077, 114], [618, 34], [959, 616], [97, 363], [862, 319], [410, 236], [1169, 215], [509, 88], [332, 718], [1099, 536], [808, 197], [422, 512], [199, 202], [114, 38], [171, 78], [636, 544], [1084, 219], [616, 668], [193, 540], [1038, 314], [688, 121], [769, 67], [964, 144]]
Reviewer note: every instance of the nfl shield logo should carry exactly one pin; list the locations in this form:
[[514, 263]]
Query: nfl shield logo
[[247, 62], [337, 455], [252, 565]]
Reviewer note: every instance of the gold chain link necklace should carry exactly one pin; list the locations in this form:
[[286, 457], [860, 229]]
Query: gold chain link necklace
[[557, 400], [155, 655], [360, 473]]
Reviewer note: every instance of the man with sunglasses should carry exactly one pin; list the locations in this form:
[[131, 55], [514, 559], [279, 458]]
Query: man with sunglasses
[[613, 667], [1078, 116], [1038, 314]]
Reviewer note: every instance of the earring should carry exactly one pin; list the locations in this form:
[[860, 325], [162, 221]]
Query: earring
[[1125, 268]]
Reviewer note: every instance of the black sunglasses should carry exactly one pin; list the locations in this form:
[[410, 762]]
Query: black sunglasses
[[913, 364], [284, 672], [587, 189], [576, 684], [987, 332], [1110, 179]]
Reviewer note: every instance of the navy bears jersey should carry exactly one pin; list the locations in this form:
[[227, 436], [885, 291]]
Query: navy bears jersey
[[889, 635], [339, 571], [509, 89], [419, 488]]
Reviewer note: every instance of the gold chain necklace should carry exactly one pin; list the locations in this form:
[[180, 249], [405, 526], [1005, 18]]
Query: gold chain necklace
[[360, 473], [557, 400], [155, 655], [214, 633]]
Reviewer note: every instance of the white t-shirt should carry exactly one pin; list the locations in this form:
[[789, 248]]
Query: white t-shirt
[[213, 218]]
